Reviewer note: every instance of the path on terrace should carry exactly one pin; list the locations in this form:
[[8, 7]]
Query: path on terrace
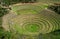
[[5, 20]]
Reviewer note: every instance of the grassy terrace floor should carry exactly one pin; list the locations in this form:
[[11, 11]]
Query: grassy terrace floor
[[28, 8]]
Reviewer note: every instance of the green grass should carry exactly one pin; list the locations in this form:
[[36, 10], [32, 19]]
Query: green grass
[[33, 9], [24, 11], [32, 27]]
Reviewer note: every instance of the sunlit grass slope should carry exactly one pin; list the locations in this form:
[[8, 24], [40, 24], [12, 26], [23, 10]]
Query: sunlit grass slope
[[28, 8]]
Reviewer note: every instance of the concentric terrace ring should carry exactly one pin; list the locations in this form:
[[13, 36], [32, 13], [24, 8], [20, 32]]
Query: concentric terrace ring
[[33, 24]]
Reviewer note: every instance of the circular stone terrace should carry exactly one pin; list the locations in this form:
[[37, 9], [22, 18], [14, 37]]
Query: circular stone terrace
[[31, 19]]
